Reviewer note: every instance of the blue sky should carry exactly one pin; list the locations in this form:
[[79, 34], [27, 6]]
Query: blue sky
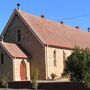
[[55, 10]]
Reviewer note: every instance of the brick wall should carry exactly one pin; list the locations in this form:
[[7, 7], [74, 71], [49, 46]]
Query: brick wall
[[49, 86], [30, 43], [6, 69]]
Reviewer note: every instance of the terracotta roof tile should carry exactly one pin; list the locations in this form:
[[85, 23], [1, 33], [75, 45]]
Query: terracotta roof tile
[[56, 34], [13, 50]]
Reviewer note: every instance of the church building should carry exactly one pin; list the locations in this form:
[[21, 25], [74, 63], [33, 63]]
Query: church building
[[30, 42]]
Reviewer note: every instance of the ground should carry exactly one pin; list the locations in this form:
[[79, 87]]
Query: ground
[[18, 89]]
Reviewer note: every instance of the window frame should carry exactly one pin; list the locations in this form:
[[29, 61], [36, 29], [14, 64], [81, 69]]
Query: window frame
[[64, 61], [19, 35], [2, 58], [54, 59]]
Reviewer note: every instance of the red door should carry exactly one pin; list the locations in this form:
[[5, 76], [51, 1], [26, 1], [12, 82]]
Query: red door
[[22, 71]]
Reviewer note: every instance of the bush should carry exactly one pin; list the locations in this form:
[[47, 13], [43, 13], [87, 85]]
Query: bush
[[78, 65], [5, 81], [53, 76], [35, 75]]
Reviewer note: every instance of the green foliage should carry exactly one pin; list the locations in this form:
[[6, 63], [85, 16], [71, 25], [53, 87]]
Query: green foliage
[[78, 65], [35, 75], [87, 80], [5, 81], [53, 76]]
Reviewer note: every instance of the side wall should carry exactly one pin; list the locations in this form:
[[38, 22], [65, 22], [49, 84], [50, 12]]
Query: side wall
[[6, 69], [59, 68], [30, 43]]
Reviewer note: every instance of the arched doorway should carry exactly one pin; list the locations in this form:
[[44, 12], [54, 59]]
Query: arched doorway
[[23, 71]]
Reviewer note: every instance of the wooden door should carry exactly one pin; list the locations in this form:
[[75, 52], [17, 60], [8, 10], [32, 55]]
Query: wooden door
[[23, 71]]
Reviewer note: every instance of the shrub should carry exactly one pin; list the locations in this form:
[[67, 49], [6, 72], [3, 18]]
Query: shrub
[[78, 65], [35, 75], [5, 81], [53, 76]]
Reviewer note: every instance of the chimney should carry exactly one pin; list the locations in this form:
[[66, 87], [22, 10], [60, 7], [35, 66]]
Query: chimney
[[61, 22], [77, 27], [18, 6], [88, 29], [42, 16]]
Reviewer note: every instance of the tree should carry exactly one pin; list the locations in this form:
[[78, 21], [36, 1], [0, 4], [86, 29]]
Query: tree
[[35, 75], [5, 81], [78, 65]]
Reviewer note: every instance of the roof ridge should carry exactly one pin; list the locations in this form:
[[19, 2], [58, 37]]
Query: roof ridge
[[51, 21]]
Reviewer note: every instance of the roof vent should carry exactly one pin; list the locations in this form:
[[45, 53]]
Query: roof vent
[[42, 16], [61, 22], [88, 29], [77, 27]]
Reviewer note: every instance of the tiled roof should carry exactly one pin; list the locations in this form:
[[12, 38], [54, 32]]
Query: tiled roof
[[54, 33], [13, 50]]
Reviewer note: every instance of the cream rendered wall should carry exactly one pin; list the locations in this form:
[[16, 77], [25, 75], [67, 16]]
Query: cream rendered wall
[[50, 68], [16, 69]]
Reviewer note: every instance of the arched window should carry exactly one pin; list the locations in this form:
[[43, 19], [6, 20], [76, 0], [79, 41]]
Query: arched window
[[2, 58], [18, 35], [64, 60], [54, 57]]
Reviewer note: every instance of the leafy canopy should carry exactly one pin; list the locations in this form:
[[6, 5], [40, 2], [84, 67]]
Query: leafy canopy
[[78, 65]]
